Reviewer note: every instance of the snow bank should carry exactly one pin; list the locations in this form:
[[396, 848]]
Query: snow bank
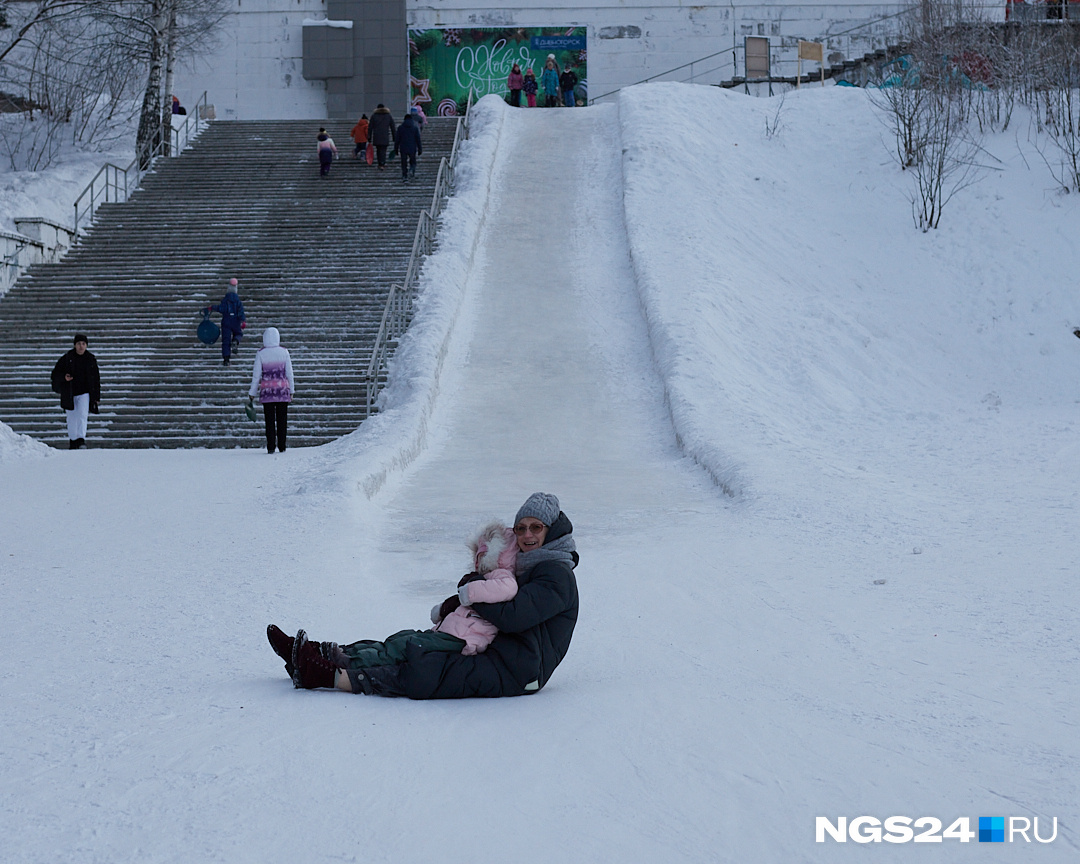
[[51, 193], [803, 327], [390, 440], [15, 446]]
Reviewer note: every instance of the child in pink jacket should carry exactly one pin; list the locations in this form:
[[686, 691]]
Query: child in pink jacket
[[494, 554]]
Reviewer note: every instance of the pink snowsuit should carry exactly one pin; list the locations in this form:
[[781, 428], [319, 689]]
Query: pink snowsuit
[[497, 586]]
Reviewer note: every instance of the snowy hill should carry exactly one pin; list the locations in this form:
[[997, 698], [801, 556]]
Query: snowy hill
[[823, 473]]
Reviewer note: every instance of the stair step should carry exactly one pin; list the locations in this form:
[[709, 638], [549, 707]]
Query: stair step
[[315, 256]]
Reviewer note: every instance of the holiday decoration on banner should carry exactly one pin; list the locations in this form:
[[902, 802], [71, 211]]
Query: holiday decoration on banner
[[446, 62]]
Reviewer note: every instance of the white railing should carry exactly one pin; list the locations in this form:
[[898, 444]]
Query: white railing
[[114, 185], [398, 310]]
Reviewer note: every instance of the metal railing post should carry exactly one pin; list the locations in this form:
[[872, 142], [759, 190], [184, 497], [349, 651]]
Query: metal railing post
[[395, 318]]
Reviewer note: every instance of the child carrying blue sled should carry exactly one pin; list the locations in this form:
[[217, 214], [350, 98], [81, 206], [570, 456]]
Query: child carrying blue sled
[[233, 320]]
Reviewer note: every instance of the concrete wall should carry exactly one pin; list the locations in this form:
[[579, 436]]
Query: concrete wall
[[38, 241], [631, 41], [256, 70], [381, 59]]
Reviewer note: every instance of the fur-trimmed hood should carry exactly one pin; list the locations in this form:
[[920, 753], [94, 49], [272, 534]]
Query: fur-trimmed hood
[[493, 548]]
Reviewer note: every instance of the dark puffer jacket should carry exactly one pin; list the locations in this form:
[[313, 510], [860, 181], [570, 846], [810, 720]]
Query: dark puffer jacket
[[381, 128], [408, 137], [535, 629]]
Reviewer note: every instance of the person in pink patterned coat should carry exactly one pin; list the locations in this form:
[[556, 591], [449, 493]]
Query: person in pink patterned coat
[[272, 381], [494, 555]]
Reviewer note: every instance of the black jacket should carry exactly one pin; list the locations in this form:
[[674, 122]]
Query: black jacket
[[381, 128], [408, 137], [535, 629], [568, 80], [84, 379]]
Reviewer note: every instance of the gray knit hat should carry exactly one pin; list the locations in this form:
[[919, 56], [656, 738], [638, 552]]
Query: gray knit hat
[[539, 505]]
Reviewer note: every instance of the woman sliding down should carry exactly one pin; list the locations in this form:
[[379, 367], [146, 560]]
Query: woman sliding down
[[481, 645]]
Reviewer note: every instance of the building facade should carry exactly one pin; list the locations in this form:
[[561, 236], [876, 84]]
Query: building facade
[[312, 59]]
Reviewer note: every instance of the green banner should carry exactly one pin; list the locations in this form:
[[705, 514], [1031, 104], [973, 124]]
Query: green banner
[[446, 62]]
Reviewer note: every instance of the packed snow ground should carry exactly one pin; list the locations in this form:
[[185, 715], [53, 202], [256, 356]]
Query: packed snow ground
[[823, 472]]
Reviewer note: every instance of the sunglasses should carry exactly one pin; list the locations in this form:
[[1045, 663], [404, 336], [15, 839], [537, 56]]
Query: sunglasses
[[529, 529]]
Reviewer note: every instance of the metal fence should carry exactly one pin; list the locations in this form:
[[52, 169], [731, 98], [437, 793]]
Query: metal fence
[[114, 185], [399, 303]]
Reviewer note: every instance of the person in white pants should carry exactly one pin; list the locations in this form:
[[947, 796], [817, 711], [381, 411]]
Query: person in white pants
[[77, 417], [75, 377]]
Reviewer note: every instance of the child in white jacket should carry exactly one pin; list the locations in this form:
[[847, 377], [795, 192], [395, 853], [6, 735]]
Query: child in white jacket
[[272, 381]]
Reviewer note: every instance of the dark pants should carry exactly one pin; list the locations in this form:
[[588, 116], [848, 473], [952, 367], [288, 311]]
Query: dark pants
[[408, 164], [550, 100], [276, 415], [515, 98], [230, 332], [380, 153], [368, 654], [360, 150], [568, 98]]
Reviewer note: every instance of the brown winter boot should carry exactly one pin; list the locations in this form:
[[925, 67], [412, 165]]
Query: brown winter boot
[[280, 641], [312, 669]]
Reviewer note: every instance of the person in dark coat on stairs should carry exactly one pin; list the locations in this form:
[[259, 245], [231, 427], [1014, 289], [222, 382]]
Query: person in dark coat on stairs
[[233, 320], [75, 377], [535, 628], [381, 131], [409, 145]]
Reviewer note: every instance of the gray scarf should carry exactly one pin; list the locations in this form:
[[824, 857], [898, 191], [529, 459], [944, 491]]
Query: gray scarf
[[555, 550]]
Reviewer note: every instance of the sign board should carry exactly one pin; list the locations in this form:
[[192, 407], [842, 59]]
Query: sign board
[[756, 49], [811, 51], [446, 61]]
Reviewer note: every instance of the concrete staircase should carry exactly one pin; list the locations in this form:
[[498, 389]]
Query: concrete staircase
[[315, 257]]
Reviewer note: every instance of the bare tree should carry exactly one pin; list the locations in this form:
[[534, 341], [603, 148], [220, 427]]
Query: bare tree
[[67, 82], [1057, 110], [930, 98], [169, 28], [76, 60], [947, 158]]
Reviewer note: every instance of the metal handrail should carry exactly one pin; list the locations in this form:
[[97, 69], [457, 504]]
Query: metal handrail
[[378, 355], [113, 187], [398, 308], [140, 165], [667, 72], [734, 49]]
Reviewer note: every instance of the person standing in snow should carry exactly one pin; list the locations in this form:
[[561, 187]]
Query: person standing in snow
[[409, 145], [530, 87], [75, 377], [515, 82], [327, 151], [549, 80], [381, 131], [534, 629], [567, 83], [272, 381], [233, 320], [359, 137]]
